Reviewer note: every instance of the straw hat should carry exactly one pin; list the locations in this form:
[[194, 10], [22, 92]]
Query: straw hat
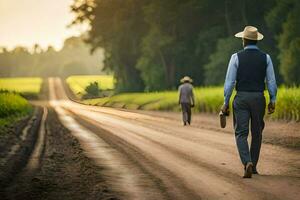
[[250, 33], [186, 79]]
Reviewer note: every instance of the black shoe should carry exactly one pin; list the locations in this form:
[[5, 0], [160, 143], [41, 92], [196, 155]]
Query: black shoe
[[248, 170], [184, 123], [189, 123]]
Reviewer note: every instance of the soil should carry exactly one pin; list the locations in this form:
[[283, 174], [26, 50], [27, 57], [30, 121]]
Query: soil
[[65, 172], [12, 137], [10, 134]]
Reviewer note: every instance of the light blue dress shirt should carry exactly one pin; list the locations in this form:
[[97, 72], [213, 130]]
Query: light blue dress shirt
[[232, 72]]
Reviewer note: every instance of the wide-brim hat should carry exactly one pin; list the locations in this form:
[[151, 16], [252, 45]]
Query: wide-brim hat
[[186, 79], [250, 33]]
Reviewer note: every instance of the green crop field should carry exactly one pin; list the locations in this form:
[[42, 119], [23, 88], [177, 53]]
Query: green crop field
[[24, 86], [78, 83], [12, 106], [208, 100]]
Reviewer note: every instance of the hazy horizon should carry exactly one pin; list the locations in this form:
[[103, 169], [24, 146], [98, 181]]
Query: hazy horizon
[[29, 22]]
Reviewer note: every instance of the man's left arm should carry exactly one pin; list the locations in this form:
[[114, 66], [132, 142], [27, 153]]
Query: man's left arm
[[271, 84]]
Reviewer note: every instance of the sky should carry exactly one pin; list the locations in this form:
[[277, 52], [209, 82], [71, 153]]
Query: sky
[[29, 22]]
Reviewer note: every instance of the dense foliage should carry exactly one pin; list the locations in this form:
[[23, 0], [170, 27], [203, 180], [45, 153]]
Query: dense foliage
[[150, 44], [93, 89], [284, 19]]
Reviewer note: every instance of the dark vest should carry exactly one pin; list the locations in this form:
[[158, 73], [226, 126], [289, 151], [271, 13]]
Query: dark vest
[[251, 71]]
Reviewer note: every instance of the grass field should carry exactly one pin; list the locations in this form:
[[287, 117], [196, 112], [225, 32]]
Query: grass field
[[78, 83], [208, 100], [288, 104], [29, 86], [12, 106]]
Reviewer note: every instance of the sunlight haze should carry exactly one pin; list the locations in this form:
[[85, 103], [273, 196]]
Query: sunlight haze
[[27, 22]]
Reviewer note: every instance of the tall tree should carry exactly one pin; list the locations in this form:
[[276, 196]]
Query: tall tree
[[118, 27], [285, 21], [179, 40]]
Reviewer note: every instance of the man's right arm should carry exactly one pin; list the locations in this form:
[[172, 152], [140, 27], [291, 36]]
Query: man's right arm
[[179, 94], [230, 78]]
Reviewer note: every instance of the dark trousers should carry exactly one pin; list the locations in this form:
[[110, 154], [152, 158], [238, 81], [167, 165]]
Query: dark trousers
[[249, 106], [186, 112]]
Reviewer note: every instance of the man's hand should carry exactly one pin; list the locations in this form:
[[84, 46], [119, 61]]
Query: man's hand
[[271, 108], [225, 109], [192, 105]]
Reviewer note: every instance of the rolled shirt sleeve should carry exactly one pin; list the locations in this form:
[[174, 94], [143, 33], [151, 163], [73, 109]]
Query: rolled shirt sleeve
[[271, 80], [230, 78]]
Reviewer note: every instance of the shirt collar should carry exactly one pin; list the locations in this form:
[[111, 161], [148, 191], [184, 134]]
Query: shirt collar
[[251, 46]]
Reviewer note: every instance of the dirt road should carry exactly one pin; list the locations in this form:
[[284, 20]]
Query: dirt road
[[150, 157]]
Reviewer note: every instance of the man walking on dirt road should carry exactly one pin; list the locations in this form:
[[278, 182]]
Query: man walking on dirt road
[[186, 99], [249, 70]]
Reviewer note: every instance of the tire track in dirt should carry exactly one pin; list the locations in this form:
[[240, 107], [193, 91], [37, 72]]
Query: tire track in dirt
[[36, 155]]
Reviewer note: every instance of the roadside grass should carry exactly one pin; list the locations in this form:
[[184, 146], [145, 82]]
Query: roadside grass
[[78, 83], [288, 104], [12, 107], [28, 87], [208, 100]]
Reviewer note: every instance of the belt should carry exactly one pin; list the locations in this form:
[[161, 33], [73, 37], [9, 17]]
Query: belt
[[250, 92]]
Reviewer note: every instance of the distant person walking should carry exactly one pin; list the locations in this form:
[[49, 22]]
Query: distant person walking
[[249, 70], [186, 99]]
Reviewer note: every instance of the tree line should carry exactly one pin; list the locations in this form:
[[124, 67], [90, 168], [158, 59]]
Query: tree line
[[74, 58], [151, 44]]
